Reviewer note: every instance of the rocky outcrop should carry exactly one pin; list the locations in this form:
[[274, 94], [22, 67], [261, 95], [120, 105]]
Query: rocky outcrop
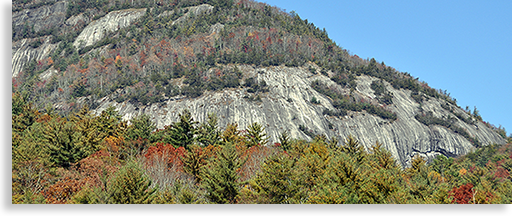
[[287, 106], [23, 53], [193, 11], [113, 21], [40, 18], [46, 17]]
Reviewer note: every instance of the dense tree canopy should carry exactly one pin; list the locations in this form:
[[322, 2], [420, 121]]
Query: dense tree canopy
[[64, 159]]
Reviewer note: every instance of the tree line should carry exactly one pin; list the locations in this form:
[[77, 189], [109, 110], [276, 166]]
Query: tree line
[[82, 158]]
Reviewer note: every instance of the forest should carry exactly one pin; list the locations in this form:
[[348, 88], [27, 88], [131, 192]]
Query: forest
[[80, 158]]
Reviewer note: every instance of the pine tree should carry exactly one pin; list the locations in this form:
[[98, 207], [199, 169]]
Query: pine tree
[[278, 181], [353, 147], [232, 135], [109, 120], [256, 135], [59, 134], [87, 134], [141, 127], [284, 140], [194, 160], [383, 157], [183, 132], [131, 186], [220, 178], [208, 133]]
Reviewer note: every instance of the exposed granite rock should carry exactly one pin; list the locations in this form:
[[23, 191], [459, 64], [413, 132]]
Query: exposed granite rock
[[113, 21], [23, 53], [42, 18], [286, 106], [193, 11]]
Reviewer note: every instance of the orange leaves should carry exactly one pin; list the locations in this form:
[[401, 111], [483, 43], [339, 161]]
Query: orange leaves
[[97, 166], [113, 143], [118, 58], [50, 61], [166, 153], [188, 52], [60, 192], [255, 155], [462, 172], [109, 61], [196, 158], [142, 58]]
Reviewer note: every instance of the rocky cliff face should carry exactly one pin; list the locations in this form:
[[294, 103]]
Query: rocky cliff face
[[287, 106], [37, 20], [113, 21], [23, 53]]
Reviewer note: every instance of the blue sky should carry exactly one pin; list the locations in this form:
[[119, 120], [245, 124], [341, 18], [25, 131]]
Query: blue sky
[[464, 47]]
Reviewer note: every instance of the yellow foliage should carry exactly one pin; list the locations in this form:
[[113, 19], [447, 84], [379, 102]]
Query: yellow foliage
[[113, 143], [462, 172], [435, 175], [320, 149]]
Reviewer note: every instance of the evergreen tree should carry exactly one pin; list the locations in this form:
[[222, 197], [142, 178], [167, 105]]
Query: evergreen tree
[[232, 135], [220, 178], [278, 181], [284, 140], [108, 121], [87, 136], [208, 133], [60, 138], [194, 160], [256, 135], [141, 127], [131, 186], [183, 132], [353, 147]]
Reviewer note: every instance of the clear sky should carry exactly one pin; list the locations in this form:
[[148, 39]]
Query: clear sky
[[464, 47]]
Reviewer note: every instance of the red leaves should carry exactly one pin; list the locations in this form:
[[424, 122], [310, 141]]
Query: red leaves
[[167, 153], [501, 173], [61, 191], [463, 194], [96, 166]]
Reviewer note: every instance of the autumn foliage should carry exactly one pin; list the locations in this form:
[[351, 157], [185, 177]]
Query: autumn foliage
[[463, 194], [232, 165], [167, 153]]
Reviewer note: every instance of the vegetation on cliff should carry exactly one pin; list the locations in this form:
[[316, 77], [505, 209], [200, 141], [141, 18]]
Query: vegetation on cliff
[[157, 57]]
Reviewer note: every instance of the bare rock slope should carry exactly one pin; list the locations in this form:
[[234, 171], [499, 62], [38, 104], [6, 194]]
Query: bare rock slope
[[111, 22], [287, 106]]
